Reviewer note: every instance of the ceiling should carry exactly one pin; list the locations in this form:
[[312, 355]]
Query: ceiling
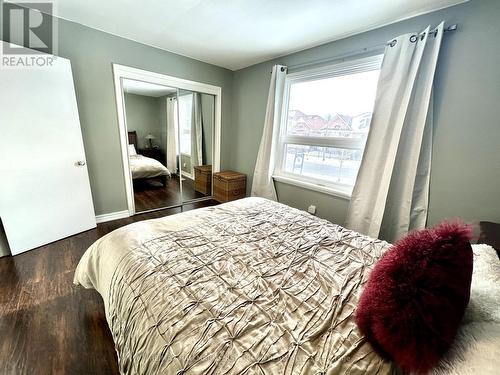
[[239, 33], [131, 86]]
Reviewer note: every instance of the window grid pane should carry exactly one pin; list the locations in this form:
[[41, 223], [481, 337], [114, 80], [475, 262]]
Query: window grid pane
[[329, 164], [326, 126]]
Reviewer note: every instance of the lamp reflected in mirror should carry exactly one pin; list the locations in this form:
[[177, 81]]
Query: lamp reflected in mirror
[[150, 138]]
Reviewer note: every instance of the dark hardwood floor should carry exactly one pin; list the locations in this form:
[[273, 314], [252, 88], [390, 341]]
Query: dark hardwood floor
[[47, 324], [151, 194]]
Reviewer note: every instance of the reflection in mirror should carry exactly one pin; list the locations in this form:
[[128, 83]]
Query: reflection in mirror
[[196, 119], [151, 119]]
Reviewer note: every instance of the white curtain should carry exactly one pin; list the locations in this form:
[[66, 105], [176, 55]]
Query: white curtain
[[172, 136], [263, 185], [196, 132], [391, 194]]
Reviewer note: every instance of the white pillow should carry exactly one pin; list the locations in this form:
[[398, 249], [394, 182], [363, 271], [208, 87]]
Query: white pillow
[[484, 304], [476, 349], [131, 150]]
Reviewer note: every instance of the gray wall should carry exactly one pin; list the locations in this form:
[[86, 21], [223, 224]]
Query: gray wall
[[91, 53], [144, 115], [465, 178], [465, 175], [91, 58]]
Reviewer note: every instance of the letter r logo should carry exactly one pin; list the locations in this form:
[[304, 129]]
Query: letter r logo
[[28, 24]]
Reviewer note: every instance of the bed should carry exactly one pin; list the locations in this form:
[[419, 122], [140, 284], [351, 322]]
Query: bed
[[247, 287], [144, 168]]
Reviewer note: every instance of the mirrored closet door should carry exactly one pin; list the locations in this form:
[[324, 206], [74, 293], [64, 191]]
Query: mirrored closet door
[[196, 119], [168, 136], [150, 116]]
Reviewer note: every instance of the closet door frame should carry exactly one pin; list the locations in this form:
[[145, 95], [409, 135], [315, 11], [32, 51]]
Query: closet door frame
[[121, 72]]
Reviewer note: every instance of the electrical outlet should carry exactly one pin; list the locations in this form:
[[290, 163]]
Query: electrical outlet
[[312, 210]]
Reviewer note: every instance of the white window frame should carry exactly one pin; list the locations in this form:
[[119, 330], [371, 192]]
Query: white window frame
[[179, 96], [340, 69]]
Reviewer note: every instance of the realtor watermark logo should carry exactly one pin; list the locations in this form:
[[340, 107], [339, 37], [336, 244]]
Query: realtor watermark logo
[[30, 32]]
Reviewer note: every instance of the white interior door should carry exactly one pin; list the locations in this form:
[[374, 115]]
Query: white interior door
[[44, 184]]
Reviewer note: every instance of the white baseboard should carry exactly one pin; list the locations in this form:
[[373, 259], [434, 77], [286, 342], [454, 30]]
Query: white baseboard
[[189, 176], [111, 216]]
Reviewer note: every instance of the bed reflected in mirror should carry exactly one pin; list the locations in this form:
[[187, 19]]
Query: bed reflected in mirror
[[196, 119], [150, 115], [170, 139]]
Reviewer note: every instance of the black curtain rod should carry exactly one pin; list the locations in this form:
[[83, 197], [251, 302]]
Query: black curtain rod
[[380, 47]]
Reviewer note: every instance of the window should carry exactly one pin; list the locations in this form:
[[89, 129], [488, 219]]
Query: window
[[324, 124], [185, 114]]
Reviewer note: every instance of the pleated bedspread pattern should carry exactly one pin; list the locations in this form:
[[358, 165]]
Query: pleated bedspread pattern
[[253, 288]]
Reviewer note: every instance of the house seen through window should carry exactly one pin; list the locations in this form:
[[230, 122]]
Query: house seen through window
[[325, 122]]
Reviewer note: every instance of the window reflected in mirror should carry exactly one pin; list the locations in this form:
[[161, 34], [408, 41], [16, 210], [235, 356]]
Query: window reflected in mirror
[[196, 118]]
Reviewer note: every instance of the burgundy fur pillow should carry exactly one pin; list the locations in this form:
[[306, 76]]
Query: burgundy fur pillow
[[416, 295]]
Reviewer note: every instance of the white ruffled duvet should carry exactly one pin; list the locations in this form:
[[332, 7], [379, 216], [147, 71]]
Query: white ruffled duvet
[[144, 167]]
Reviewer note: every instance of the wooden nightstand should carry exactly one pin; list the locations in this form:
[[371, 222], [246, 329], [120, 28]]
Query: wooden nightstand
[[229, 186], [153, 153]]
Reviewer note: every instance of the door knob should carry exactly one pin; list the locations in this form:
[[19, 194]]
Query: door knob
[[80, 163]]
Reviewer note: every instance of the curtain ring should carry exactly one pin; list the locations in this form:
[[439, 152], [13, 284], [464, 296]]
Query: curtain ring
[[413, 38], [393, 43], [422, 36]]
